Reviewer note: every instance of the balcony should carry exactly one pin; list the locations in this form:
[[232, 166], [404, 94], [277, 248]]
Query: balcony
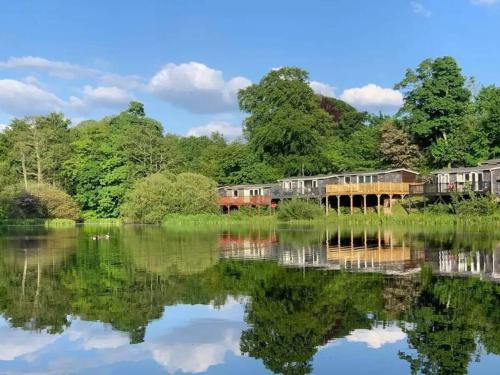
[[245, 201], [394, 188], [482, 187]]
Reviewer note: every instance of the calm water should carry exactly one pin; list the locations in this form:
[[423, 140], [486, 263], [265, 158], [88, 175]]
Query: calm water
[[276, 300]]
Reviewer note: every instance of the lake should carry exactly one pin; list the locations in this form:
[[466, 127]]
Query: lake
[[278, 299]]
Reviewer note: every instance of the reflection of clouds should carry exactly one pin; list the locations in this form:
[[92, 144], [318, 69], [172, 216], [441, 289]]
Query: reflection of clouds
[[198, 346], [16, 342], [189, 345], [94, 336], [377, 337]]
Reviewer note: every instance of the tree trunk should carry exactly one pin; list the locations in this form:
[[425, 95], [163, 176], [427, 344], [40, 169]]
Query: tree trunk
[[25, 173]]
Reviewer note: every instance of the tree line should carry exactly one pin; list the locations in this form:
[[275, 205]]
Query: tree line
[[445, 121]]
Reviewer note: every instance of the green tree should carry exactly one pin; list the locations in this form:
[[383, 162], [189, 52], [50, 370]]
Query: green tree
[[285, 116], [158, 195], [345, 118], [436, 100], [487, 108]]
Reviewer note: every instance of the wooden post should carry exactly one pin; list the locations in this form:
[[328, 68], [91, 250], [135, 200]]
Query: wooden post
[[378, 204], [326, 205], [390, 203], [338, 205], [364, 204], [352, 203]]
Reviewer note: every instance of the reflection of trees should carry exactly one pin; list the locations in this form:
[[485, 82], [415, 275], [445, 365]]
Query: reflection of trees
[[291, 314], [128, 280], [447, 319]]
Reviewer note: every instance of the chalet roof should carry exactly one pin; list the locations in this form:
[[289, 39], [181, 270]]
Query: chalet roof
[[479, 168], [490, 162], [246, 186], [360, 173]]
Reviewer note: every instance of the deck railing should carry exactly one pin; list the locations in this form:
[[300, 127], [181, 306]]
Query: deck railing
[[397, 188], [450, 188], [245, 201]]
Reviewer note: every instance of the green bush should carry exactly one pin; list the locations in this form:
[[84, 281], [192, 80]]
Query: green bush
[[474, 205], [297, 209], [161, 194], [38, 201], [439, 209]]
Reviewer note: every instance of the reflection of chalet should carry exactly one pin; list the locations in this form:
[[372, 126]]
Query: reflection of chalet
[[485, 178], [372, 254], [467, 263]]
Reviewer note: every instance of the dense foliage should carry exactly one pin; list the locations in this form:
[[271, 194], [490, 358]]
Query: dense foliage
[[298, 209], [160, 194], [289, 130]]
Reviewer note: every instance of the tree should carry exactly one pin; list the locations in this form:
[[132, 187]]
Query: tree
[[345, 118], [397, 148], [160, 194], [487, 107], [285, 116], [436, 100]]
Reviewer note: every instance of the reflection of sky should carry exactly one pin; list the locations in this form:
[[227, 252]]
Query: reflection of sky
[[188, 339], [191, 339]]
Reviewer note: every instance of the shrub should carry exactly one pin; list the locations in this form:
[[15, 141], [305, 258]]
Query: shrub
[[475, 205], [37, 202], [297, 209], [56, 203], [161, 194], [439, 209]]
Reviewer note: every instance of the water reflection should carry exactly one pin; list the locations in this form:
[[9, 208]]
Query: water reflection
[[283, 300]]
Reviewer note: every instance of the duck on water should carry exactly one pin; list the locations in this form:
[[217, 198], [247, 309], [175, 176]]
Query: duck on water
[[97, 237]]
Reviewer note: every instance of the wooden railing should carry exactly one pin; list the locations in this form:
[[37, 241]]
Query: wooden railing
[[402, 188], [245, 201]]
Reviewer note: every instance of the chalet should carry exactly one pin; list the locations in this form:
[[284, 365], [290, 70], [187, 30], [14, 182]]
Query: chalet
[[482, 179], [236, 196]]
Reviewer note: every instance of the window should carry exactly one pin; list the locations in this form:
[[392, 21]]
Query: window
[[235, 193], [347, 179], [315, 183], [374, 178]]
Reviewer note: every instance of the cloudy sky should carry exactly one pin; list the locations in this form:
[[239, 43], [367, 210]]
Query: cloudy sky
[[186, 59]]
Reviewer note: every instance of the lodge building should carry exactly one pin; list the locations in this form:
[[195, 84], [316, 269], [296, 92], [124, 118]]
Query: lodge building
[[365, 190]]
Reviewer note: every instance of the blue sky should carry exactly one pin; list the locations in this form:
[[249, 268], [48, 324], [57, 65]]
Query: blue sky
[[186, 59]]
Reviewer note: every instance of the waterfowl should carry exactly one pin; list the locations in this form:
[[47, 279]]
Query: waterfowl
[[97, 237]]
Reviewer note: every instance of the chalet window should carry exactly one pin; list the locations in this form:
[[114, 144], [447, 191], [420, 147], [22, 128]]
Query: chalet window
[[315, 183], [347, 179], [235, 193], [374, 178], [361, 179]]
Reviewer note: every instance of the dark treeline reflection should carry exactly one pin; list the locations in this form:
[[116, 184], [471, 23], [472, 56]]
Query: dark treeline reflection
[[48, 276]]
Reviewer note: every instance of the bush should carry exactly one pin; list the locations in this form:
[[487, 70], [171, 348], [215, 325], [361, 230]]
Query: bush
[[299, 210], [474, 205], [161, 194], [38, 201], [439, 209]]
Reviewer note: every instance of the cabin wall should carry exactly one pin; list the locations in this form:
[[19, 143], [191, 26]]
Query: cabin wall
[[409, 177], [495, 178], [391, 177]]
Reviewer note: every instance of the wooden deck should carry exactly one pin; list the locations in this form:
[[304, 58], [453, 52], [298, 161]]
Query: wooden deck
[[376, 188], [245, 201]]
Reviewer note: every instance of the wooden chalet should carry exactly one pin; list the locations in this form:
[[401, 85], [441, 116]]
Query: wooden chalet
[[482, 179], [236, 196]]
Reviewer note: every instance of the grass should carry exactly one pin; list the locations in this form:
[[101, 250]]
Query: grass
[[49, 223], [104, 221]]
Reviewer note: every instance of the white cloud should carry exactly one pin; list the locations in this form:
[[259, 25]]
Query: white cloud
[[372, 97], [3, 127], [484, 2], [57, 68], [227, 130], [377, 337], [20, 98], [106, 96], [321, 88], [17, 342], [196, 87], [420, 9], [96, 336]]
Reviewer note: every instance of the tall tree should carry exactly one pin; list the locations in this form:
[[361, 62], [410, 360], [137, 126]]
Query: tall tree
[[285, 115], [487, 107], [436, 100]]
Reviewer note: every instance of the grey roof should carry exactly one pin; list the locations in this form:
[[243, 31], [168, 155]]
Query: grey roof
[[245, 186], [324, 176], [490, 162], [479, 168]]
